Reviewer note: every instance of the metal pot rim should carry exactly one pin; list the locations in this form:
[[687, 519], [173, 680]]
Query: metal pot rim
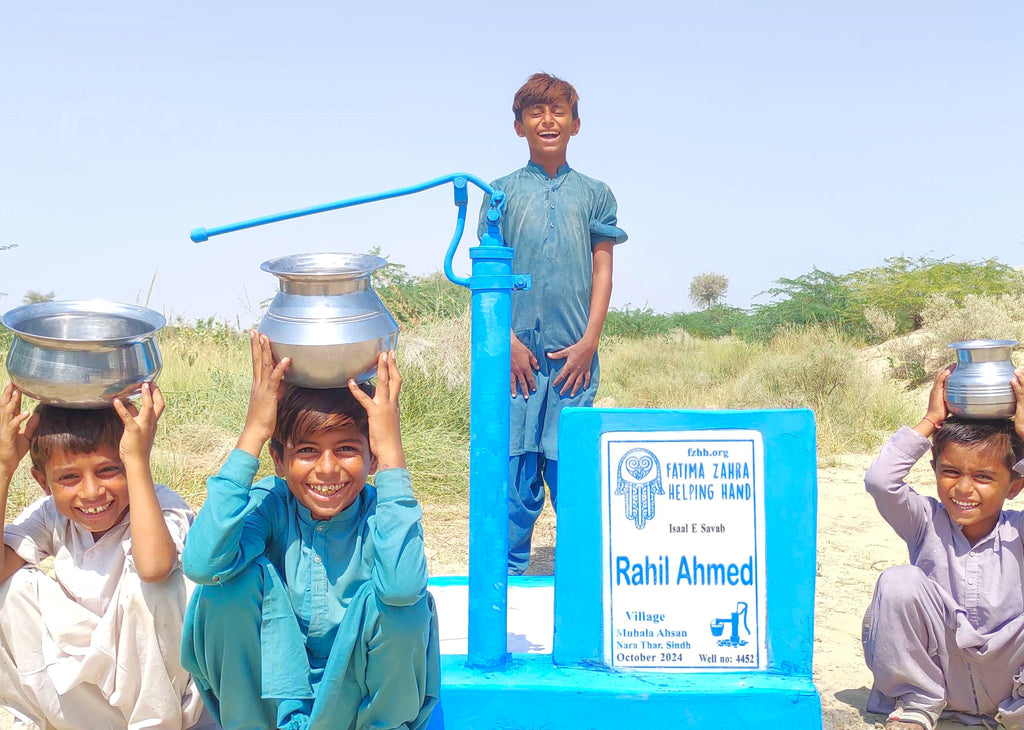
[[15, 319], [323, 265], [981, 344]]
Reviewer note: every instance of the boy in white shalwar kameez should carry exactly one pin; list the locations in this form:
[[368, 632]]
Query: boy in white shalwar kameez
[[98, 646], [944, 636]]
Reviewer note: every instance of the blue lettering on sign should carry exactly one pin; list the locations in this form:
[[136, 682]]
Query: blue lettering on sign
[[649, 572], [654, 571], [732, 470], [699, 491], [696, 573], [684, 470], [732, 490], [708, 452]]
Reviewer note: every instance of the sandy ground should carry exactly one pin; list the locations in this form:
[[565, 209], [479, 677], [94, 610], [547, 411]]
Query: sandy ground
[[854, 546]]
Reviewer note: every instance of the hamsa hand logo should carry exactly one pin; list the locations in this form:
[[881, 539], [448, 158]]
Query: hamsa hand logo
[[639, 479]]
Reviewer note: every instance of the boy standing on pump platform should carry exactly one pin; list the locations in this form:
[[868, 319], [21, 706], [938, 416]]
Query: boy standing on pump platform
[[313, 609], [562, 226], [944, 636]]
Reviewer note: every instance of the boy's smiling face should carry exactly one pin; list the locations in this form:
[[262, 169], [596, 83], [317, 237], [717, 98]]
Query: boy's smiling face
[[326, 471], [973, 483], [89, 489], [547, 129]]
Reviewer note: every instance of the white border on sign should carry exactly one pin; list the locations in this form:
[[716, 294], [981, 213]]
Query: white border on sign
[[701, 438]]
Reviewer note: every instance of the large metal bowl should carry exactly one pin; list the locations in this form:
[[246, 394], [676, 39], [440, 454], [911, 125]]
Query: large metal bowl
[[82, 354]]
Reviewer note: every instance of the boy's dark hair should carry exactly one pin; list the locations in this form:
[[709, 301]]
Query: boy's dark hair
[[305, 411], [996, 434], [73, 431], [542, 88]]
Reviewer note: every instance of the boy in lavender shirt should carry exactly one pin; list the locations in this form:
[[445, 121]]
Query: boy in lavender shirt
[[944, 636]]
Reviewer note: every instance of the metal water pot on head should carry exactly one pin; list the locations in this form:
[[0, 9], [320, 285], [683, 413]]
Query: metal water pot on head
[[979, 386], [327, 318]]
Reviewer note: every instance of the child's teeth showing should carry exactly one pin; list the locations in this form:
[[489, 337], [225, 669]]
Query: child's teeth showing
[[965, 505], [325, 489], [96, 510]]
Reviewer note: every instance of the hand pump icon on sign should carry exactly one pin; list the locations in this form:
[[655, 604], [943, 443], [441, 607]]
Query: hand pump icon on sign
[[718, 626]]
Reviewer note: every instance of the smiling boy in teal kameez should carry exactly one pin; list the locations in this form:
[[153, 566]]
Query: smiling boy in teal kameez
[[313, 608], [562, 226]]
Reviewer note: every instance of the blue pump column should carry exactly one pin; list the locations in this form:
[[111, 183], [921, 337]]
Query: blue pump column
[[491, 285]]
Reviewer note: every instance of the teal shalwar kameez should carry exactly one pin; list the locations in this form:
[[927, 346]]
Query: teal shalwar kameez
[[553, 224], [302, 623]]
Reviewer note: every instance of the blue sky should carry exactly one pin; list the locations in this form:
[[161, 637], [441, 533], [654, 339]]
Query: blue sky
[[752, 139]]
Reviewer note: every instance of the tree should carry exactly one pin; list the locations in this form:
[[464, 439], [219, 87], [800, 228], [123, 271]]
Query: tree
[[903, 285], [708, 289], [819, 297], [35, 297]]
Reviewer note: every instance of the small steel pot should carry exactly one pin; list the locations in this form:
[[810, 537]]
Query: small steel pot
[[979, 386], [327, 318], [82, 354]]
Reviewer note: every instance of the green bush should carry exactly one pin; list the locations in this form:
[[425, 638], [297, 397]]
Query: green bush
[[904, 286], [815, 298], [716, 321], [636, 323], [414, 299]]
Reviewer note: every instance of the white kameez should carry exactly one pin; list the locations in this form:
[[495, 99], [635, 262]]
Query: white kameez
[[97, 647]]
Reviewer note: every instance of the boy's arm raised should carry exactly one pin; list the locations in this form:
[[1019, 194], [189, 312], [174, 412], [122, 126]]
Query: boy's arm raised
[[905, 510], [937, 411], [267, 388], [13, 447], [1017, 383], [399, 564], [382, 414], [228, 533], [153, 549]]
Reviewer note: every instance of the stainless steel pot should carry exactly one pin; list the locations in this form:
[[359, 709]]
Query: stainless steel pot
[[327, 318], [82, 354], [979, 386]]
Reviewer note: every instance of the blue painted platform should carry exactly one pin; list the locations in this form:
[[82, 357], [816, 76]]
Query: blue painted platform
[[533, 694], [580, 691]]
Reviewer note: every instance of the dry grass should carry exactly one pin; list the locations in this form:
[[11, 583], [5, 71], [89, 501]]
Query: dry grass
[[206, 380], [915, 358], [811, 367]]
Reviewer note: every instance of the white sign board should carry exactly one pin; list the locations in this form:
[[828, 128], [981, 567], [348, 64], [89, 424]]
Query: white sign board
[[684, 555]]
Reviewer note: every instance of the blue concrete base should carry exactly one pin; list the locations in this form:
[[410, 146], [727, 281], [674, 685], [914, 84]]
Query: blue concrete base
[[533, 694]]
